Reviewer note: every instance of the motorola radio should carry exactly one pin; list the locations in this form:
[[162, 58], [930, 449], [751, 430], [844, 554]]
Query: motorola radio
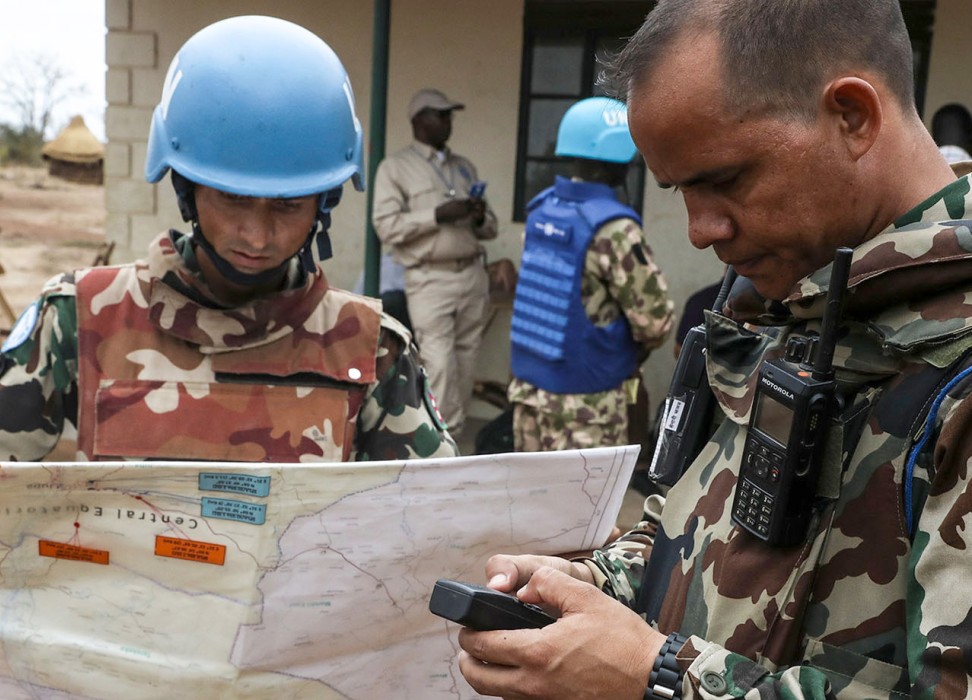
[[795, 399], [687, 416]]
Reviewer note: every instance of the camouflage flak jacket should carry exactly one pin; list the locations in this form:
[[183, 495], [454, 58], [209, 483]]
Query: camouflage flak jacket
[[864, 607], [148, 365]]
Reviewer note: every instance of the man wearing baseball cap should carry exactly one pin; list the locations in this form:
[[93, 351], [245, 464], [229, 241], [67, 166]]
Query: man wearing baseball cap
[[427, 211], [431, 99]]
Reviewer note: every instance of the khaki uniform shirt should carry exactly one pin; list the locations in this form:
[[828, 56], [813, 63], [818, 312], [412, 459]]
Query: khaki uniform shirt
[[409, 185]]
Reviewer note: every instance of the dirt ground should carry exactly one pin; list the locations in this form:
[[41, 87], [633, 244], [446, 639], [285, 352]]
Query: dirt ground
[[47, 226]]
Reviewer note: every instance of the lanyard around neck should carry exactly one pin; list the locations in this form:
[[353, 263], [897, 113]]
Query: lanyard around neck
[[449, 183]]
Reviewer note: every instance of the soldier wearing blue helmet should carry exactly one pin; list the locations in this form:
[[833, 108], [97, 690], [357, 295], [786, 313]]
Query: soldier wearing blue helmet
[[240, 116], [590, 302], [228, 343]]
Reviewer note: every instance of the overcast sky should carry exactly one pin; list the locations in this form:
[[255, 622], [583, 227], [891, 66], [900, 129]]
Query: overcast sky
[[73, 32]]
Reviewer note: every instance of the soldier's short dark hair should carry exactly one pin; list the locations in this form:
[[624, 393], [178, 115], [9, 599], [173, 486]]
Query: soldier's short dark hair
[[778, 54]]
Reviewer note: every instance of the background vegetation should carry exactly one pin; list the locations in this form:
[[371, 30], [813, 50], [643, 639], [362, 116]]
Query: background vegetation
[[31, 88]]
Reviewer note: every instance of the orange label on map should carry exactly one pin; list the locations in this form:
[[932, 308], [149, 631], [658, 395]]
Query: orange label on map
[[61, 550], [190, 550]]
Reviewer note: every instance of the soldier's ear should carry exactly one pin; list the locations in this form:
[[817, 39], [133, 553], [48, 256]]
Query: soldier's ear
[[855, 106]]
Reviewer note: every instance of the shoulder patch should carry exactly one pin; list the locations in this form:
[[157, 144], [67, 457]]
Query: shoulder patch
[[431, 405], [22, 328]]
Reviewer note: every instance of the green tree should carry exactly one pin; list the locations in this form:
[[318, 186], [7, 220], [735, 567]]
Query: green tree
[[20, 145]]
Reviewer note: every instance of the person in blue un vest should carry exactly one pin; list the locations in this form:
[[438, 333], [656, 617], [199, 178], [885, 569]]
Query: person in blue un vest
[[590, 302]]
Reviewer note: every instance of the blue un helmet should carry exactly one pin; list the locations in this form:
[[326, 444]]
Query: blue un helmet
[[259, 107], [596, 129]]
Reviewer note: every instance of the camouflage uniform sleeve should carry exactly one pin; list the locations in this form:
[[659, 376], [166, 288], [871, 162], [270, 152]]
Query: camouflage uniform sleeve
[[622, 261], [38, 374], [618, 571], [399, 419], [727, 675], [939, 602], [618, 568]]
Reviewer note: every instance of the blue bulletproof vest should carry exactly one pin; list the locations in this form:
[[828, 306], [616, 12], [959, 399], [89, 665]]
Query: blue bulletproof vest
[[554, 344]]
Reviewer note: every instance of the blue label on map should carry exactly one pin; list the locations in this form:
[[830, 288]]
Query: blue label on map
[[225, 509], [235, 483]]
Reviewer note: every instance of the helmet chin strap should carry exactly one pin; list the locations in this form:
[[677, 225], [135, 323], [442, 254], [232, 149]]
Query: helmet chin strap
[[246, 279], [319, 235]]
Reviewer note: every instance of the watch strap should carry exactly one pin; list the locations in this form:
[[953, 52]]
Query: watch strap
[[665, 681]]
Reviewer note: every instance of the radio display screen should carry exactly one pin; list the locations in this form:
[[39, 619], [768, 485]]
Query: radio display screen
[[773, 418]]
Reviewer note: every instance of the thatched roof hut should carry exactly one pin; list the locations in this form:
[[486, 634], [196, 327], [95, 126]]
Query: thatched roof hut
[[76, 154]]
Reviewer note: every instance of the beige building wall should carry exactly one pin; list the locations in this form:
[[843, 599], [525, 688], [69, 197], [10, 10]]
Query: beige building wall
[[949, 77], [473, 55]]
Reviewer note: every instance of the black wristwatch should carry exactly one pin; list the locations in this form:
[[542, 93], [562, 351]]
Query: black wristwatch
[[665, 681]]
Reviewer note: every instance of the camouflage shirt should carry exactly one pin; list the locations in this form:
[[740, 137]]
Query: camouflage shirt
[[620, 277], [876, 601], [39, 387]]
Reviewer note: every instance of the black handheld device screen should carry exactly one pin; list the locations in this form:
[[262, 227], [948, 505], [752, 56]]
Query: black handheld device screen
[[774, 419], [482, 608]]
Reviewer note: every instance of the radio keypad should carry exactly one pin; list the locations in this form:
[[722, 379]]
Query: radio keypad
[[754, 503], [754, 507]]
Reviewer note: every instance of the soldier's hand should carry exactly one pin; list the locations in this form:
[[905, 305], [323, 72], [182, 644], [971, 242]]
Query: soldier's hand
[[477, 210], [597, 649], [453, 210], [507, 572]]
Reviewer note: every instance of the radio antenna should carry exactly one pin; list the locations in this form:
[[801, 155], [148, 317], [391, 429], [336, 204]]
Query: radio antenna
[[727, 282], [839, 275]]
